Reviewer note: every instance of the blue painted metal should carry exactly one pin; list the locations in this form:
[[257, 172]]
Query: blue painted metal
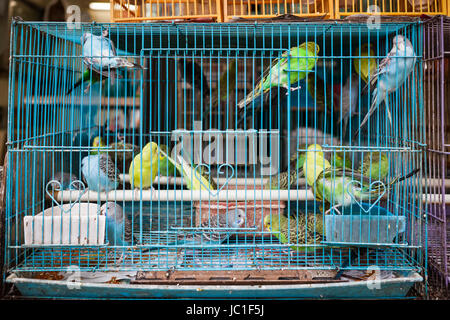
[[388, 289]]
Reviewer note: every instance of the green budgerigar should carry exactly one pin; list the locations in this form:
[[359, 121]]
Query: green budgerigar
[[375, 165], [279, 74], [149, 158], [301, 231], [166, 168], [341, 160], [288, 178], [341, 187]]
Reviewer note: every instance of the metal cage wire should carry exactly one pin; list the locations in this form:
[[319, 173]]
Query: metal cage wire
[[436, 102], [183, 90]]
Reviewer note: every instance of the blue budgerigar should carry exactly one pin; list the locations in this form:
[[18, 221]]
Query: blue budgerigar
[[119, 230], [100, 172], [99, 54], [216, 230], [391, 74]]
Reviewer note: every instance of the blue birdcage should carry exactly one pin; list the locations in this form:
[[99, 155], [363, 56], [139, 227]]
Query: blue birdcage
[[224, 153]]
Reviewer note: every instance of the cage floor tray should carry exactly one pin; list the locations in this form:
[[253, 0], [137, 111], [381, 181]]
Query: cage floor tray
[[384, 288]]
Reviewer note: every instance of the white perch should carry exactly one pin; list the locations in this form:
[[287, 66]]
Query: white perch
[[436, 198], [203, 195], [249, 181], [163, 180], [186, 195]]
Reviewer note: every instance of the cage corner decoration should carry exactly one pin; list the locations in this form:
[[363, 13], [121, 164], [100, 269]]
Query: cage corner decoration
[[345, 8], [165, 10]]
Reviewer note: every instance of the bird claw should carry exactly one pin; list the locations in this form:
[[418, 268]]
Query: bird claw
[[118, 262], [334, 208], [87, 88]]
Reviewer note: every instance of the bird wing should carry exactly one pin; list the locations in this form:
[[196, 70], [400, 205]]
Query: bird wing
[[272, 65], [382, 67], [106, 163], [128, 237], [332, 173], [289, 230], [111, 45]]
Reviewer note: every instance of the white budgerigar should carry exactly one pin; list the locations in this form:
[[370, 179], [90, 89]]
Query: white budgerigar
[[99, 54], [392, 72]]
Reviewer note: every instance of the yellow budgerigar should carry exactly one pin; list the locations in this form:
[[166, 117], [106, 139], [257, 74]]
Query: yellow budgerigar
[[98, 142], [365, 66], [315, 163], [149, 159]]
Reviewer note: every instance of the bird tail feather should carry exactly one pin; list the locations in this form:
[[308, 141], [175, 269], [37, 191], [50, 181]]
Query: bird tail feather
[[76, 85], [369, 113], [397, 179]]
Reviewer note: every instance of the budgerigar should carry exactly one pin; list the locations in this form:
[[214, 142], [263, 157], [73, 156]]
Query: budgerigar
[[365, 67], [315, 163], [99, 54], [121, 154], [341, 160], [301, 231], [67, 181], [166, 168], [97, 143], [149, 158], [288, 178], [302, 59], [216, 230], [100, 172], [342, 187], [375, 165], [119, 230], [392, 72]]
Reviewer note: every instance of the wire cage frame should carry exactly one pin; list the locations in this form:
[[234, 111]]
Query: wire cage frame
[[345, 8], [181, 86], [150, 10], [436, 102]]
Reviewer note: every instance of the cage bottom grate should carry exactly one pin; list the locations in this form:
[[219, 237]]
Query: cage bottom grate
[[226, 258]]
